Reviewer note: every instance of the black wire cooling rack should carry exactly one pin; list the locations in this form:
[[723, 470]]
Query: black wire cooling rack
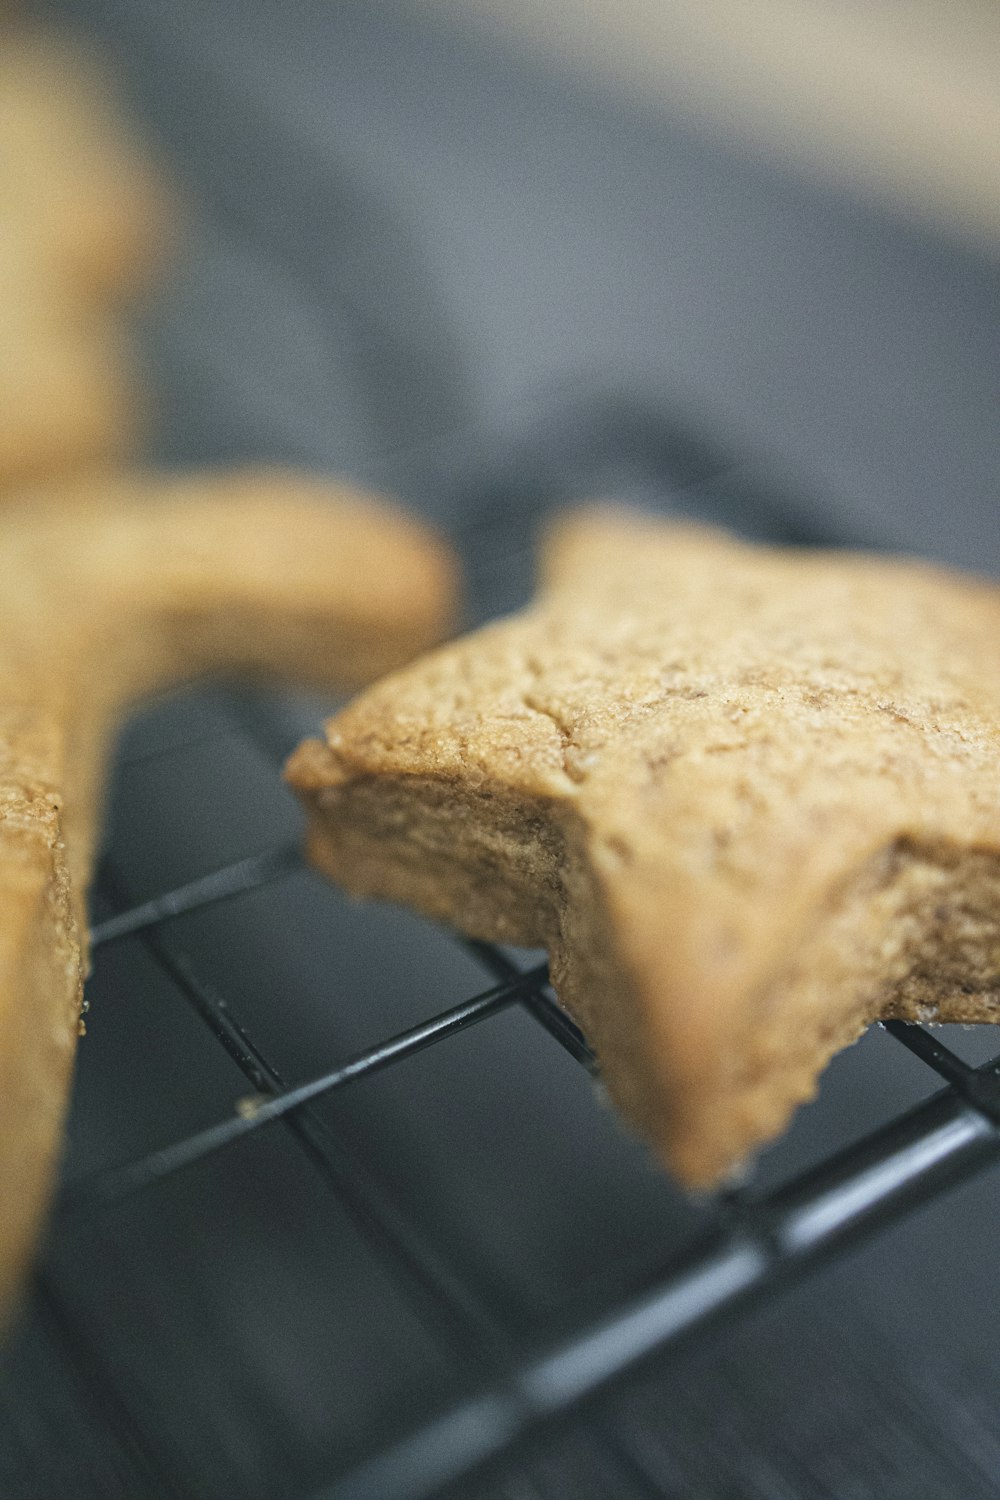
[[278, 1268], [752, 1251], [505, 1398]]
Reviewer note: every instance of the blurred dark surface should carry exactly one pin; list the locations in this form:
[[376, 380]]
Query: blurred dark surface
[[432, 266]]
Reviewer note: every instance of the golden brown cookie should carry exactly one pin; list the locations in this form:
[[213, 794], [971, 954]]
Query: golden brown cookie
[[749, 799], [70, 393], [110, 593], [77, 192], [84, 221]]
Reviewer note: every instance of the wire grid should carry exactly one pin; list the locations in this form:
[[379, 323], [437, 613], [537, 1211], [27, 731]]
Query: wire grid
[[752, 1249]]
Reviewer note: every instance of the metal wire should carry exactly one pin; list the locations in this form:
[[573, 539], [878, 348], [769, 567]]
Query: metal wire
[[253, 1114], [477, 1341], [390, 1232], [516, 1397], [851, 1197], [230, 880], [755, 1248]]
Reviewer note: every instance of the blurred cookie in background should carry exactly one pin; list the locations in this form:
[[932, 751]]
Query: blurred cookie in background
[[70, 384], [80, 192], [87, 224]]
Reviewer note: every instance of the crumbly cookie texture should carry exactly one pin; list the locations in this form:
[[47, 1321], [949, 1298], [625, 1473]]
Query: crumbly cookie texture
[[748, 799], [113, 590]]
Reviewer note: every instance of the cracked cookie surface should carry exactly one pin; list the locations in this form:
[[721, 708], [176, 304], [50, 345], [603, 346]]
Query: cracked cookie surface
[[748, 798]]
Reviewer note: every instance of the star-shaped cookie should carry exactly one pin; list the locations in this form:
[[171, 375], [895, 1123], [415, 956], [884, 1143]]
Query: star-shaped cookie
[[749, 799], [113, 590]]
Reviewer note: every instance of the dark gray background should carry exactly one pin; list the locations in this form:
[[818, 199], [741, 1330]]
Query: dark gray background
[[421, 261]]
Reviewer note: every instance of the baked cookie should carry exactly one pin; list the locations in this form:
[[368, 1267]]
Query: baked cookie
[[77, 191], [84, 221], [749, 799], [114, 591], [70, 392]]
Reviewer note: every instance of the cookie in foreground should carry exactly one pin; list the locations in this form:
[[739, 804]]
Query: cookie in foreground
[[747, 798], [115, 589]]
